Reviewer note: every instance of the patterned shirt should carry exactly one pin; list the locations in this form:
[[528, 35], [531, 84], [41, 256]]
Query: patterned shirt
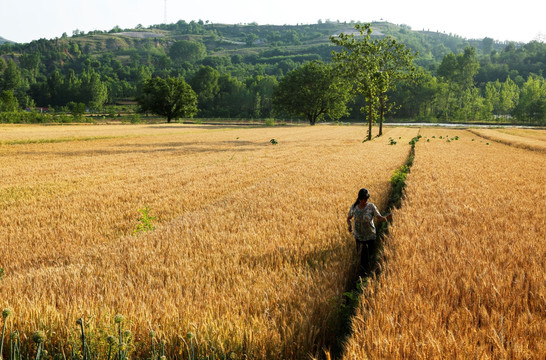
[[364, 228]]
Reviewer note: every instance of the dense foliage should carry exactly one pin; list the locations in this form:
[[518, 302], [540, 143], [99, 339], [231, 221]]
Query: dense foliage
[[374, 66], [234, 69], [313, 92], [172, 98]]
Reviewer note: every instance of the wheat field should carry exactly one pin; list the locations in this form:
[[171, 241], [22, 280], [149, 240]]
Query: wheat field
[[23, 134], [532, 139], [464, 271], [249, 248]]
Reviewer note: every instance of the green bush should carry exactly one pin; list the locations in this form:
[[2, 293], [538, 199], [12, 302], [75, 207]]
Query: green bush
[[23, 117], [20, 117], [135, 119], [398, 182], [269, 122]]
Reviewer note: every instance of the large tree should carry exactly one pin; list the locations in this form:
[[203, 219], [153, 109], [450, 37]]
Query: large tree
[[357, 63], [458, 72], [8, 102], [374, 66], [12, 77], [170, 97], [233, 99], [187, 51], [93, 91], [501, 98], [532, 100], [395, 65], [206, 86], [262, 88], [312, 91]]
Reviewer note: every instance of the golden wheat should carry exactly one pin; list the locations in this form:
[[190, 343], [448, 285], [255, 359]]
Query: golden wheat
[[534, 133], [532, 139], [14, 133], [250, 245], [464, 271]]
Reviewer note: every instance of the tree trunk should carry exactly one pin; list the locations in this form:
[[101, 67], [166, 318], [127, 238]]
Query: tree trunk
[[370, 117], [381, 113]]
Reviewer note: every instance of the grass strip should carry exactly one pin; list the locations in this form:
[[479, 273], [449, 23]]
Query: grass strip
[[352, 295]]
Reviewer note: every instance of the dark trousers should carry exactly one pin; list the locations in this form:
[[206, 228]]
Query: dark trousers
[[367, 254]]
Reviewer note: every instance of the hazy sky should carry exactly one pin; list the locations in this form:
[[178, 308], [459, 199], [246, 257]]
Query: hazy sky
[[523, 20]]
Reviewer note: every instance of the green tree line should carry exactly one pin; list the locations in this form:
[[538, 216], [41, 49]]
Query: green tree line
[[235, 71]]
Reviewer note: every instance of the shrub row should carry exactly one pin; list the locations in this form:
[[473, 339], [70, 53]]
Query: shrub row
[[21, 117]]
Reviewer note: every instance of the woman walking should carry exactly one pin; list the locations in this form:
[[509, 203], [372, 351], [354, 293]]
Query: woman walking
[[364, 232]]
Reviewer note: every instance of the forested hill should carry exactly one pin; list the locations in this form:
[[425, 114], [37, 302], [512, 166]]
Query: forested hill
[[101, 68], [250, 41]]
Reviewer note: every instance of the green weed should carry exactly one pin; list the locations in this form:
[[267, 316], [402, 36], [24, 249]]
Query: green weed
[[135, 119], [414, 140], [39, 338], [118, 348], [5, 313], [145, 222]]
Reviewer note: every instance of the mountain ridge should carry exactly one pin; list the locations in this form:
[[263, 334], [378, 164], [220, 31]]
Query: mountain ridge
[[338, 25]]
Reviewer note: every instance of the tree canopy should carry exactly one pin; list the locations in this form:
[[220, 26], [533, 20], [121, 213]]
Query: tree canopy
[[373, 66], [8, 102], [206, 86], [312, 92], [171, 97], [189, 51]]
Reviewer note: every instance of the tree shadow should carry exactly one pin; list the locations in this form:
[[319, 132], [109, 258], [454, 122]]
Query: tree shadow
[[172, 147]]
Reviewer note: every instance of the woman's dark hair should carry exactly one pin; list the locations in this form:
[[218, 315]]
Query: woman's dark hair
[[363, 194]]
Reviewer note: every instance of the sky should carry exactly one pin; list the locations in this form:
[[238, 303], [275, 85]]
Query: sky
[[521, 21]]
